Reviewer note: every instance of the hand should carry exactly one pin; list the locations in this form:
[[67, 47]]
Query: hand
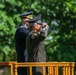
[[44, 24]]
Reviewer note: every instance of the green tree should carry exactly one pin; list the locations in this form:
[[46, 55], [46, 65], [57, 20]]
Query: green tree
[[62, 45], [60, 16]]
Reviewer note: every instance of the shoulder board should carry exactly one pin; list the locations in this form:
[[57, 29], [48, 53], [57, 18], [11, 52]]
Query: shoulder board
[[23, 26]]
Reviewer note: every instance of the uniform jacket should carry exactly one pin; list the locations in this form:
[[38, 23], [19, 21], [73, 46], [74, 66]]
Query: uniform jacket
[[20, 41], [35, 48]]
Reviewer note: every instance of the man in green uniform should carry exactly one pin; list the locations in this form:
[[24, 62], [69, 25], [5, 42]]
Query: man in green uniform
[[34, 44]]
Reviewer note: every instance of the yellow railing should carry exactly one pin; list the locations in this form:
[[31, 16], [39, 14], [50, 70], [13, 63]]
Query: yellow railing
[[10, 64], [54, 68]]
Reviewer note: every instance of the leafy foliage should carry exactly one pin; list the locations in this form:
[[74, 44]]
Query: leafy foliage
[[60, 16], [62, 45]]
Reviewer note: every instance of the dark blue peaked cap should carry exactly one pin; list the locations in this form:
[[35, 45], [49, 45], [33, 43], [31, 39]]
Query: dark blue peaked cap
[[36, 18], [27, 15]]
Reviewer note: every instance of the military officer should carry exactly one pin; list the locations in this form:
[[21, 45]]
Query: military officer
[[20, 40], [34, 45]]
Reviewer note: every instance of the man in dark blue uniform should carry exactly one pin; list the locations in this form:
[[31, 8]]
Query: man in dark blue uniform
[[20, 40]]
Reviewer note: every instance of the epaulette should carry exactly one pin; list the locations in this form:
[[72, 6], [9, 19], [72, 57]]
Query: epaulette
[[23, 26]]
